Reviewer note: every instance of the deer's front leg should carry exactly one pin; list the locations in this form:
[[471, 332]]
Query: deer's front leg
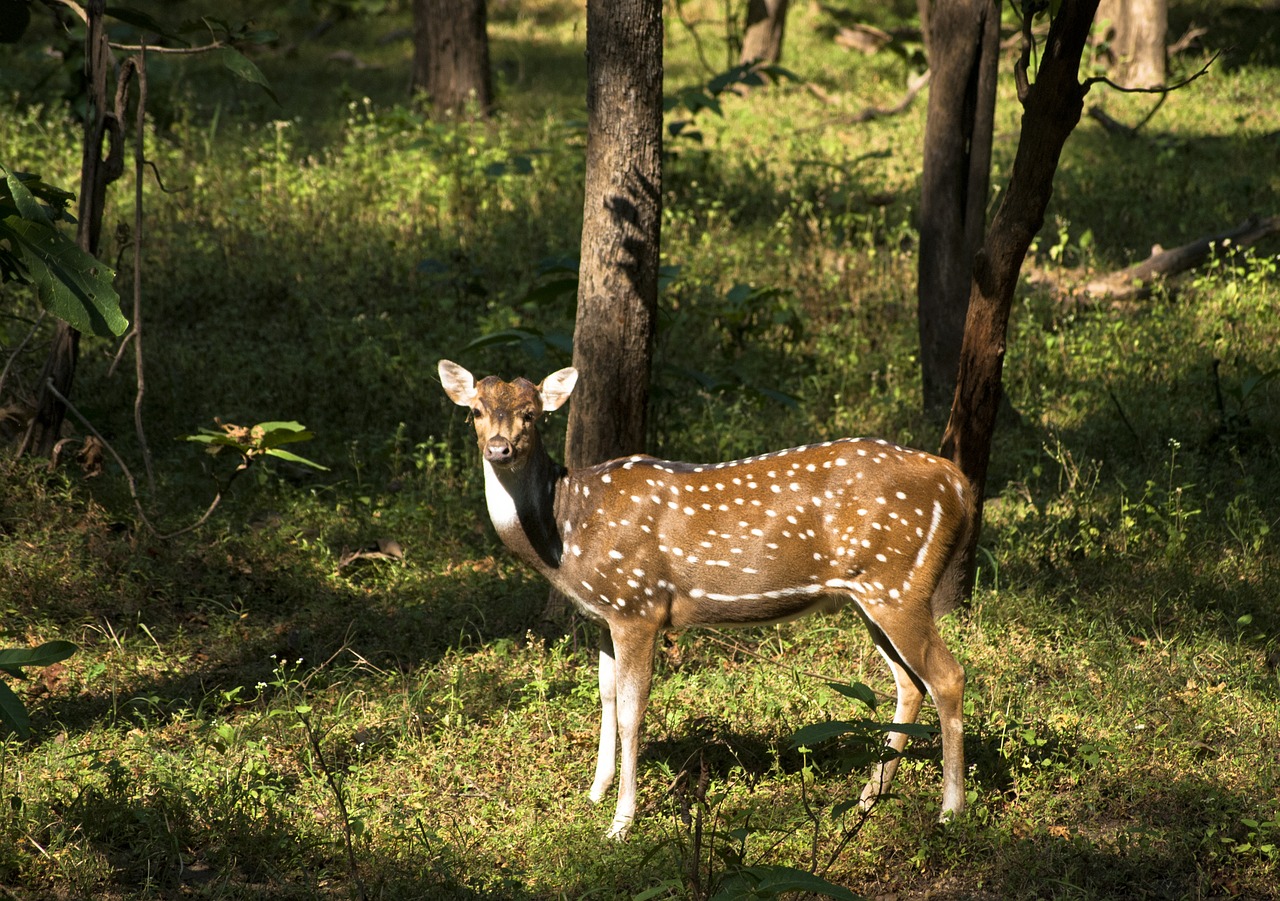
[[607, 756], [633, 656]]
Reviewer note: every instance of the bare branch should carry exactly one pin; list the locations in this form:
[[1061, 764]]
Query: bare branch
[[1165, 89]]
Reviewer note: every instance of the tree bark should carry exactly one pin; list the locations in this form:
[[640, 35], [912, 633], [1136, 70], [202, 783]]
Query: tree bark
[[618, 280], [1137, 32], [1052, 106], [762, 38], [102, 163], [964, 42], [451, 54]]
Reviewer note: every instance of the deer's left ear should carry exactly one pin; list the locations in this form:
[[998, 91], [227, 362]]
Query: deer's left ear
[[556, 388]]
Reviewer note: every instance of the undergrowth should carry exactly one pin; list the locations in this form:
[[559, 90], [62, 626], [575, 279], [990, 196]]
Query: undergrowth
[[342, 681]]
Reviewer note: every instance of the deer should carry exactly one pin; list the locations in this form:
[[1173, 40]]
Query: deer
[[643, 546]]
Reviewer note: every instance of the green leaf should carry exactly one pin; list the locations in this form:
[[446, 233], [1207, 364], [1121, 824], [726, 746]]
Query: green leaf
[[12, 712], [294, 458], [70, 283], [243, 67], [142, 21], [45, 654], [771, 881], [816, 733], [277, 433], [858, 692]]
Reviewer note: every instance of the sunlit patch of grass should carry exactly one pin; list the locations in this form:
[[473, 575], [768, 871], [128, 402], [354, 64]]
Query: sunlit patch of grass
[[314, 262]]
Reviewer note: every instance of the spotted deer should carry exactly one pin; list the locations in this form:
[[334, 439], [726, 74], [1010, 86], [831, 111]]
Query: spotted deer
[[644, 545]]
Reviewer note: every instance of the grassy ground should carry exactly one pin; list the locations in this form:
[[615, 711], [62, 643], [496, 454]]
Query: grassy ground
[[243, 702]]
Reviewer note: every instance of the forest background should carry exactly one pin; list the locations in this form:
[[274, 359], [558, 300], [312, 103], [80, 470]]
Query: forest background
[[341, 685]]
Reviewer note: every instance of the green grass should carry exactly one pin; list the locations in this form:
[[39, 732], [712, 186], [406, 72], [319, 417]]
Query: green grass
[[315, 259]]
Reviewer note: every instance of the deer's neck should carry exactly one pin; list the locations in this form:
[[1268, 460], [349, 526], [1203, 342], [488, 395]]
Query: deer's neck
[[522, 508]]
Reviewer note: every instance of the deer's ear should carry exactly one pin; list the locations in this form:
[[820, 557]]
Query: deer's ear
[[457, 383], [556, 388]]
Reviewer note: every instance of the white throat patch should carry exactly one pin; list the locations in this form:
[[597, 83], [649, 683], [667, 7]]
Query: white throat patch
[[502, 506]]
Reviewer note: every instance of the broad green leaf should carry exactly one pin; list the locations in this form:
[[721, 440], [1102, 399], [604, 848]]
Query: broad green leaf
[[45, 654], [772, 881], [243, 67], [70, 283], [277, 433], [294, 458], [143, 21], [858, 692], [816, 733], [12, 712]]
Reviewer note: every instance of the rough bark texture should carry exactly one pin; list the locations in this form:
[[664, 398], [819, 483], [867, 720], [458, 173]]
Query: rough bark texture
[[451, 54], [964, 44], [1137, 40], [618, 281], [1052, 106], [762, 38], [102, 163]]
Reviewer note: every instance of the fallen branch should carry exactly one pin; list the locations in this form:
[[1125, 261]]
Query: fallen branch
[[914, 86], [1137, 280]]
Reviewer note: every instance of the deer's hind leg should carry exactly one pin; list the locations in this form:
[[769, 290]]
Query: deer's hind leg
[[921, 662]]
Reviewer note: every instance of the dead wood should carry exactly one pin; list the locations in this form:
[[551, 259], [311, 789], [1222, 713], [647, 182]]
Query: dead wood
[[1137, 281]]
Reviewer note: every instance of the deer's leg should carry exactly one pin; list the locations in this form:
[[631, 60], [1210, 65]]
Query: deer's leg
[[910, 697], [915, 645], [633, 654], [607, 755]]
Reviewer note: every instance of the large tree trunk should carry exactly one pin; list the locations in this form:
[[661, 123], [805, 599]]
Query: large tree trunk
[[618, 282], [102, 163], [762, 38], [451, 54], [964, 44], [621, 219], [1137, 31], [1051, 108]]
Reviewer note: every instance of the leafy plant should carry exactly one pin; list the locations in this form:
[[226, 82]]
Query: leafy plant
[[70, 283], [13, 713], [266, 439]]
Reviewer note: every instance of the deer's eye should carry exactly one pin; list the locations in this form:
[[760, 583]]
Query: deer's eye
[[529, 418], [477, 412]]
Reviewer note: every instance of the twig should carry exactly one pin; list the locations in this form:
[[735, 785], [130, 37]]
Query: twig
[[132, 482], [914, 86], [139, 143], [4, 374], [1162, 89], [135, 48], [1124, 417], [715, 636], [341, 801]]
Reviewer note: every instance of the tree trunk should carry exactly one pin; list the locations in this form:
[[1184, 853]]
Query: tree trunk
[[964, 42], [621, 218], [618, 281], [451, 54], [100, 165], [762, 38], [1137, 31], [1052, 106]]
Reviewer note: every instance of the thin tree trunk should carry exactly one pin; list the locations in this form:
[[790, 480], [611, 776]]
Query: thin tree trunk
[[964, 42], [99, 167], [762, 38], [1052, 106], [451, 54]]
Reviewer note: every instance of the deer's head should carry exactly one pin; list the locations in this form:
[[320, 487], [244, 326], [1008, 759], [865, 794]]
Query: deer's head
[[505, 414]]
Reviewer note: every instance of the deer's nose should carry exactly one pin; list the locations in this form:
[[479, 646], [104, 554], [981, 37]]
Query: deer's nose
[[498, 450]]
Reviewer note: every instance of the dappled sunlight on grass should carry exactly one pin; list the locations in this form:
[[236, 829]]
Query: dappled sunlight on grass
[[313, 261]]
